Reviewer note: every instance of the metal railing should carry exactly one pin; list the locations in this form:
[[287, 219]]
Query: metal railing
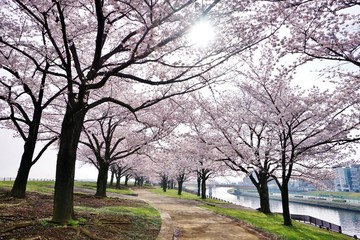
[[318, 222], [30, 179]]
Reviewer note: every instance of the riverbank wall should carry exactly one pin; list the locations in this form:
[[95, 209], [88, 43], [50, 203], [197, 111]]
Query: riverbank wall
[[313, 202]]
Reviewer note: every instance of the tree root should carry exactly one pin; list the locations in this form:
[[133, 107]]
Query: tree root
[[16, 226], [88, 234], [114, 222]]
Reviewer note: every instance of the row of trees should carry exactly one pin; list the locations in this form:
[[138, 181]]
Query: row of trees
[[111, 76]]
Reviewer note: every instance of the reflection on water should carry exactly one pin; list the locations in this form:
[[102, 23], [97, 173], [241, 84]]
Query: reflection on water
[[348, 220]]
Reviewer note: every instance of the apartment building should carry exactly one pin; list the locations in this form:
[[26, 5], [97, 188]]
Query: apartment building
[[347, 178]]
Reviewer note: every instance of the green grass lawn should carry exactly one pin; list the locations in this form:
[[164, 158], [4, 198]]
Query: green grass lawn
[[92, 185], [346, 195], [121, 218], [48, 186], [184, 195], [32, 186]]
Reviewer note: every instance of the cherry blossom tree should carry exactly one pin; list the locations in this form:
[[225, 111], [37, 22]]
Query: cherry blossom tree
[[310, 134], [26, 93], [121, 168], [116, 135], [133, 44], [307, 128], [242, 138], [324, 35], [266, 128], [107, 146], [174, 156], [184, 170], [202, 151], [323, 29]]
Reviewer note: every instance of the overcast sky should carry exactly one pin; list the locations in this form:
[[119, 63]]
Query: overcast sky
[[10, 154]]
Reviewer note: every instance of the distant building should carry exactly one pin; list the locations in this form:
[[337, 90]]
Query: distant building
[[343, 179], [355, 177], [300, 185]]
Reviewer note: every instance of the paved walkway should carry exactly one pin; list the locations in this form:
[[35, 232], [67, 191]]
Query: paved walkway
[[183, 219]]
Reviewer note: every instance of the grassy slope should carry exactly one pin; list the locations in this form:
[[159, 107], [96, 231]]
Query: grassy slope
[[346, 195], [48, 187], [272, 223], [143, 214]]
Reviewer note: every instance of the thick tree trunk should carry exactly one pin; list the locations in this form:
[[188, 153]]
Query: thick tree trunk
[[164, 184], [118, 178], [285, 204], [126, 180], [203, 188], [112, 178], [180, 185], [198, 186], [65, 167], [102, 180], [19, 188], [264, 199], [263, 191]]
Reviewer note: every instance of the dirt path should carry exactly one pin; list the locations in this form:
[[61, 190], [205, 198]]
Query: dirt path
[[184, 220]]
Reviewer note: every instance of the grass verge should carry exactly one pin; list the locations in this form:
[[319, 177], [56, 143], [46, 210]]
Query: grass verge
[[92, 185], [48, 186], [32, 186], [184, 195], [273, 224]]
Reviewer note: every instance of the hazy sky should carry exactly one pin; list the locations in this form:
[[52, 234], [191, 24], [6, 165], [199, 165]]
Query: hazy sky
[[10, 153]]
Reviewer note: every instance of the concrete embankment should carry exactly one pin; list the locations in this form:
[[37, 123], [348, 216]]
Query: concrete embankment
[[313, 202]]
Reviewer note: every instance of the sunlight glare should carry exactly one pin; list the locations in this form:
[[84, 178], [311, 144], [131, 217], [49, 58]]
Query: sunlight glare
[[201, 34]]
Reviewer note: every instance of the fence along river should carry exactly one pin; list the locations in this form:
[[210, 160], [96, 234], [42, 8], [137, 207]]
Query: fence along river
[[347, 219]]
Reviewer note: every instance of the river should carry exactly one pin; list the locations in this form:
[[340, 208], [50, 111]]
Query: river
[[348, 220]]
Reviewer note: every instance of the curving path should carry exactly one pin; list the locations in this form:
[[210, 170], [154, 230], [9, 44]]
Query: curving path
[[183, 219]]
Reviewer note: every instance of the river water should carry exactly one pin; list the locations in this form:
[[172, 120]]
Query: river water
[[348, 220]]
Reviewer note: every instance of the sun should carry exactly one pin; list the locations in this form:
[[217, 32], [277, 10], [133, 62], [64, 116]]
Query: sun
[[201, 34]]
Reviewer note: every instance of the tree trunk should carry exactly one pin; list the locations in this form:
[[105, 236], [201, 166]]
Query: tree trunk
[[118, 178], [112, 178], [198, 186], [285, 204], [164, 183], [203, 188], [263, 190], [126, 180], [264, 199], [180, 184], [65, 167], [102, 179], [19, 188]]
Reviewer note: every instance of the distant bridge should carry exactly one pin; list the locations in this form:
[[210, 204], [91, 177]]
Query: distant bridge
[[230, 185]]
